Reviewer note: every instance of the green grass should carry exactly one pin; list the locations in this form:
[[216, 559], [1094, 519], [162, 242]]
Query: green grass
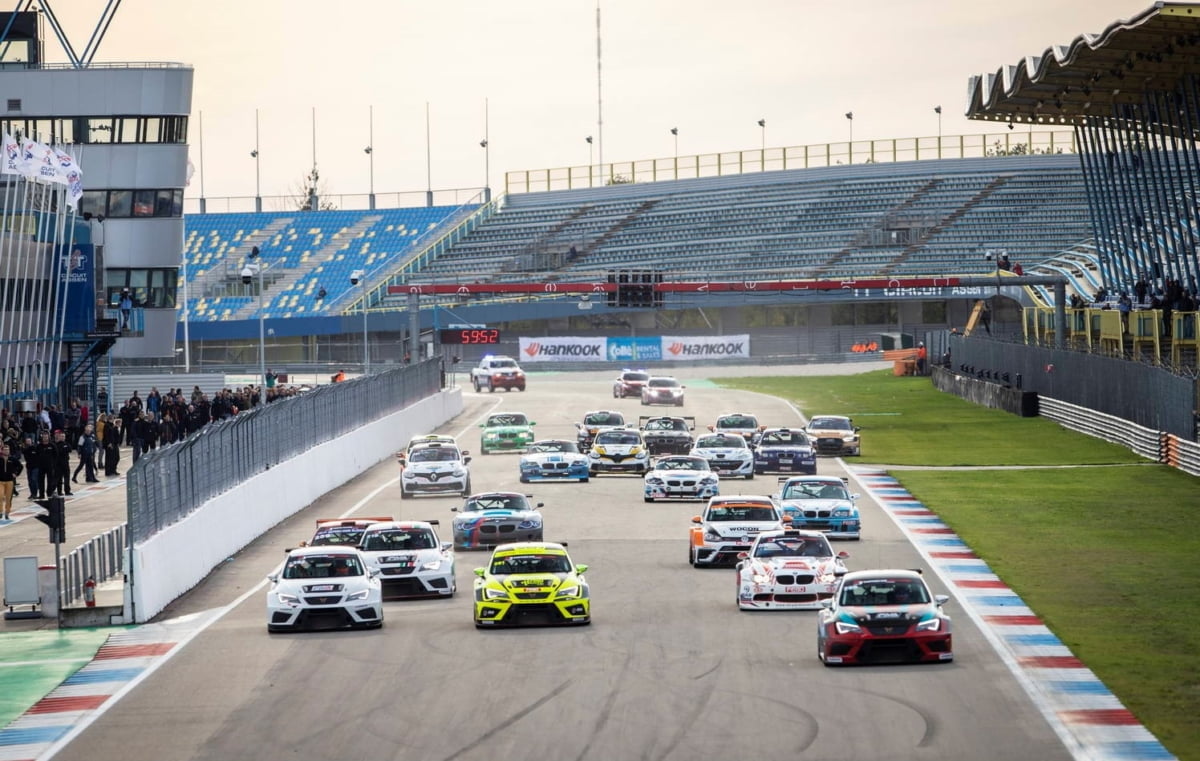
[[1107, 556]]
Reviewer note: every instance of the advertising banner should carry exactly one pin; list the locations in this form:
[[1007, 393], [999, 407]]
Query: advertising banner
[[77, 275], [635, 349], [706, 347], [563, 349]]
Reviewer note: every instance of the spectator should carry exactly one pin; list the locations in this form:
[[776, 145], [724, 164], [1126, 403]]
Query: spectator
[[1018, 269], [60, 467], [112, 447], [126, 307], [271, 379], [87, 456], [1124, 306], [922, 357], [102, 400], [8, 480]]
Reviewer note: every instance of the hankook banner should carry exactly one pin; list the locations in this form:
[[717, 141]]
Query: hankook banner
[[563, 349], [644, 348], [705, 347]]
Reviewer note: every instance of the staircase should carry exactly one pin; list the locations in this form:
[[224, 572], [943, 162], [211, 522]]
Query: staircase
[[81, 377], [617, 227], [213, 282], [864, 237], [953, 217], [281, 279]]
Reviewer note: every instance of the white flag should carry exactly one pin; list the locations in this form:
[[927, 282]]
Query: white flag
[[12, 155], [64, 166], [37, 161]]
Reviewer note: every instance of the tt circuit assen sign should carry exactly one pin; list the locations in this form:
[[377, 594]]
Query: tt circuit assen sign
[[589, 349]]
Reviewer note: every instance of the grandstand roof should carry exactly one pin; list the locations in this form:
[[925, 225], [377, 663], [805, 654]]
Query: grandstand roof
[[1151, 51]]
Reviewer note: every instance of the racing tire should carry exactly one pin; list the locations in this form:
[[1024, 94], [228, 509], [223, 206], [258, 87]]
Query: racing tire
[[524, 479], [651, 499], [584, 480], [475, 383], [521, 389], [482, 449], [691, 557], [749, 476], [679, 403], [404, 494], [466, 492], [617, 395], [491, 388], [645, 403]]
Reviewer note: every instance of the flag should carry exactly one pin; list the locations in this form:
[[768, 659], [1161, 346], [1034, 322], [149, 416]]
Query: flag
[[37, 161], [64, 166], [12, 155]]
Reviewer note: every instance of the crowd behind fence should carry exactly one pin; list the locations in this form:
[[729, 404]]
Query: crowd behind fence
[[167, 484]]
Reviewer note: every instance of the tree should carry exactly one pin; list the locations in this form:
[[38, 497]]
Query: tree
[[311, 195]]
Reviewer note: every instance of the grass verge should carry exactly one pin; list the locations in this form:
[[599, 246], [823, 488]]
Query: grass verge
[[1107, 556]]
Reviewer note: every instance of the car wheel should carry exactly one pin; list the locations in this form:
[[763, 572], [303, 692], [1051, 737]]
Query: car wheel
[[524, 479], [491, 388], [466, 492], [584, 480], [749, 476], [483, 449], [404, 494], [691, 557], [679, 403], [475, 383], [651, 499]]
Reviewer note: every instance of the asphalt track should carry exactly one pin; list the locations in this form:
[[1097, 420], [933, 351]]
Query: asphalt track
[[670, 669]]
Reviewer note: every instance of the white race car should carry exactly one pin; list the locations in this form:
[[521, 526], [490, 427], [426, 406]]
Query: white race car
[[621, 450], [788, 570], [728, 454], [554, 460], [410, 559], [728, 526], [324, 588], [435, 468], [681, 476]]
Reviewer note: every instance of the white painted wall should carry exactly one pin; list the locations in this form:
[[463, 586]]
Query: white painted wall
[[180, 557]]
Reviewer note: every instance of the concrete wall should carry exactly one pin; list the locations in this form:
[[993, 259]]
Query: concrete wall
[[181, 556]]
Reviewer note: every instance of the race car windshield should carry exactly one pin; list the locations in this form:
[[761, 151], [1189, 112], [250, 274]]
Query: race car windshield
[[434, 454], [338, 535], [784, 438], [635, 377], [617, 439], [322, 567], [666, 424], [663, 383], [604, 418], [530, 564], [553, 446], [512, 419], [681, 463], [830, 424], [398, 540], [793, 547], [817, 490], [721, 442], [505, 364], [883, 592], [496, 503], [737, 421], [743, 513]]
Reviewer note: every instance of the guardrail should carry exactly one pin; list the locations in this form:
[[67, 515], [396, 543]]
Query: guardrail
[[100, 559], [1154, 445]]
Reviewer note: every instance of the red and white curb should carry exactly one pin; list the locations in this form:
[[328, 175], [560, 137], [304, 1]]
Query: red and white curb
[[1091, 721]]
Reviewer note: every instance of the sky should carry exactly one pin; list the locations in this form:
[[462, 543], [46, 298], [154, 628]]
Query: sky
[[524, 73]]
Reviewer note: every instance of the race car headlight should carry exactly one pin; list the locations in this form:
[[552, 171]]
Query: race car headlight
[[491, 435], [531, 523], [931, 625], [711, 535], [598, 451], [287, 599], [490, 593], [635, 451], [568, 591], [654, 481], [458, 472], [761, 578], [841, 512], [432, 565], [845, 627], [709, 480], [359, 595]]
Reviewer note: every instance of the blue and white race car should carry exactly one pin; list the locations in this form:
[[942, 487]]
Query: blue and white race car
[[784, 450], [681, 477], [728, 454], [489, 519], [820, 503], [554, 460]]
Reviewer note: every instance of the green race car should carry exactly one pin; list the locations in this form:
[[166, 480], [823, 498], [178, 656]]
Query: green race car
[[506, 432], [531, 583]]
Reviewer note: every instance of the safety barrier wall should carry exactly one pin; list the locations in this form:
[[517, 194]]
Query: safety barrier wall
[[182, 554], [101, 558], [1142, 441]]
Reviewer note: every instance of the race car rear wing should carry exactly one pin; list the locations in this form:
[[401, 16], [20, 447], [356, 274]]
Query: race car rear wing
[[785, 479], [643, 419], [353, 521]]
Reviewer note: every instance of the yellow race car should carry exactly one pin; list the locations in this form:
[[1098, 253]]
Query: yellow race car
[[531, 583]]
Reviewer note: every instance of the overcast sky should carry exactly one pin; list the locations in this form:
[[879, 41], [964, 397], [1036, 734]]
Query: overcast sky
[[711, 69]]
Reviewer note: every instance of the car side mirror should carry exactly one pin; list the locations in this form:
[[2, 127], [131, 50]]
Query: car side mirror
[[843, 555], [743, 555], [697, 519], [541, 504], [581, 568], [466, 459], [480, 572], [941, 599], [857, 429], [532, 422], [447, 546], [826, 603], [454, 509], [855, 496], [273, 577]]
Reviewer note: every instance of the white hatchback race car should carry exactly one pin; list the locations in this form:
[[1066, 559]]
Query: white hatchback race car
[[621, 450], [554, 460], [435, 468], [728, 526], [681, 476], [324, 588], [788, 570], [410, 559], [728, 454]]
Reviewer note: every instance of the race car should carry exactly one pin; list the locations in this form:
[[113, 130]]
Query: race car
[[629, 383], [680, 477], [495, 372], [666, 434], [410, 559], [886, 616], [620, 450], [728, 526], [506, 432], [554, 460], [739, 423], [324, 588], [784, 450], [435, 468], [662, 389], [728, 454], [820, 503], [595, 422], [531, 583], [834, 434], [788, 570], [341, 532], [430, 438], [492, 518]]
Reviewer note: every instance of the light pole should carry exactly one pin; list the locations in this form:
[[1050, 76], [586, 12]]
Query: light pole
[[675, 135], [762, 123], [850, 145], [247, 277], [370, 151], [257, 174], [487, 191], [358, 277], [590, 159], [938, 110]]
